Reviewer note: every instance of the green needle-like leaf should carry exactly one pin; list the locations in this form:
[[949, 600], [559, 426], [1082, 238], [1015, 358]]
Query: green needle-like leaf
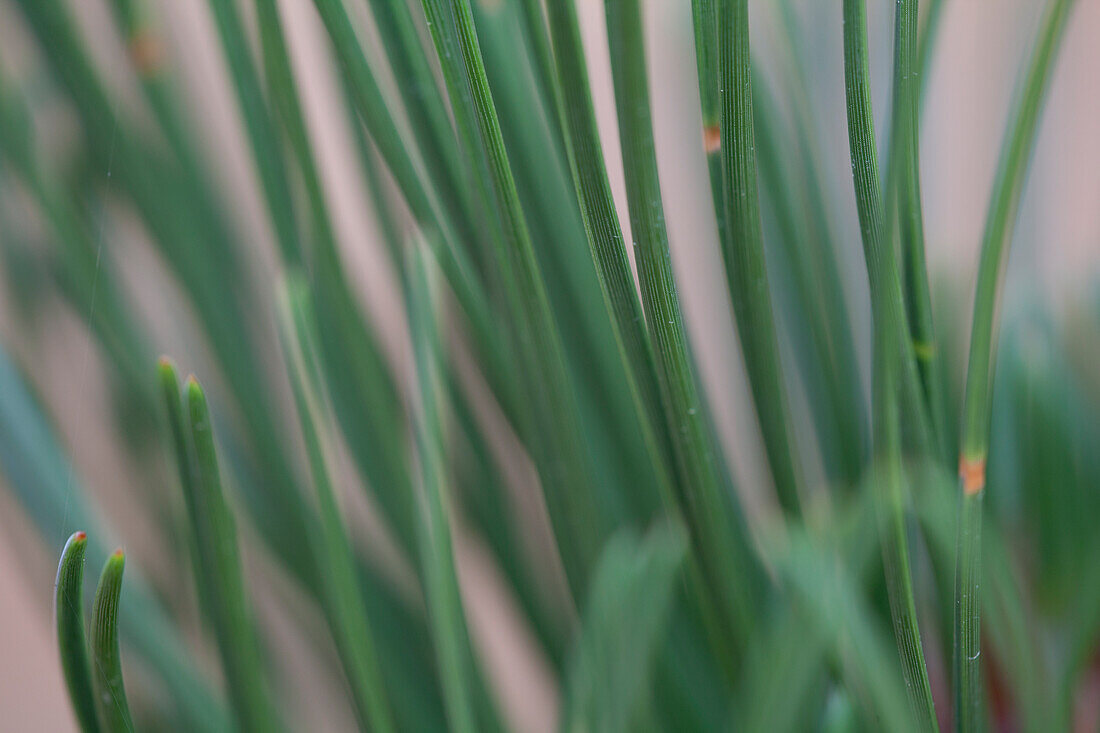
[[929, 32], [551, 413], [743, 251], [704, 15], [788, 659], [832, 602], [531, 424], [890, 490], [666, 397], [408, 170], [999, 224], [906, 157], [821, 327], [218, 572], [425, 105], [1004, 203], [365, 394], [110, 695], [536, 37], [605, 236], [371, 105], [38, 473], [889, 478], [266, 150], [721, 534], [468, 707], [887, 299], [343, 599], [69, 617], [613, 660]]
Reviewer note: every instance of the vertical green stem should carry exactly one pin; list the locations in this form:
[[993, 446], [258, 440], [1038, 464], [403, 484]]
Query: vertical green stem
[[887, 299], [718, 528], [605, 237], [366, 399], [897, 388], [918, 297], [826, 352], [427, 112], [1000, 219], [929, 32], [743, 251], [705, 20]]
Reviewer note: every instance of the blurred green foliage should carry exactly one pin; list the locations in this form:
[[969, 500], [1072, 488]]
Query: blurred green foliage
[[538, 337]]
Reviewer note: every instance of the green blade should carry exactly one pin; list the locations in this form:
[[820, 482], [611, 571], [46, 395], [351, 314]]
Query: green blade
[[743, 252], [890, 490], [40, 477], [267, 153], [218, 572], [424, 103], [1004, 203], [791, 184], [609, 416], [905, 157], [929, 33], [713, 514], [902, 178], [177, 207], [69, 617], [612, 663], [336, 561], [110, 695], [887, 299], [551, 414], [605, 236], [832, 601], [467, 704], [364, 391]]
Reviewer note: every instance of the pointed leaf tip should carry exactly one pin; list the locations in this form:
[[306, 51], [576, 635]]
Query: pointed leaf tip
[[110, 694], [69, 622], [196, 397]]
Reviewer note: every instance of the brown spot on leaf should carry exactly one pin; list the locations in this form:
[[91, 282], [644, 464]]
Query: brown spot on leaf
[[972, 473], [146, 52], [712, 138]]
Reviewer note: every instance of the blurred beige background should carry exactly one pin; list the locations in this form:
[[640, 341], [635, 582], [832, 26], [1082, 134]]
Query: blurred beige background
[[982, 45]]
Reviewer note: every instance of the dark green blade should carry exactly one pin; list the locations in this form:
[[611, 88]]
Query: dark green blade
[[336, 559], [743, 252], [552, 413], [713, 513], [110, 694], [39, 475], [69, 617], [218, 572]]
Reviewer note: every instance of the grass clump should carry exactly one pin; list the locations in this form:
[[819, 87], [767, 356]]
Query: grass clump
[[537, 438]]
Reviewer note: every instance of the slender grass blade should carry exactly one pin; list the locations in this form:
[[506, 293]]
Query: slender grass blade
[[69, 617], [110, 694]]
